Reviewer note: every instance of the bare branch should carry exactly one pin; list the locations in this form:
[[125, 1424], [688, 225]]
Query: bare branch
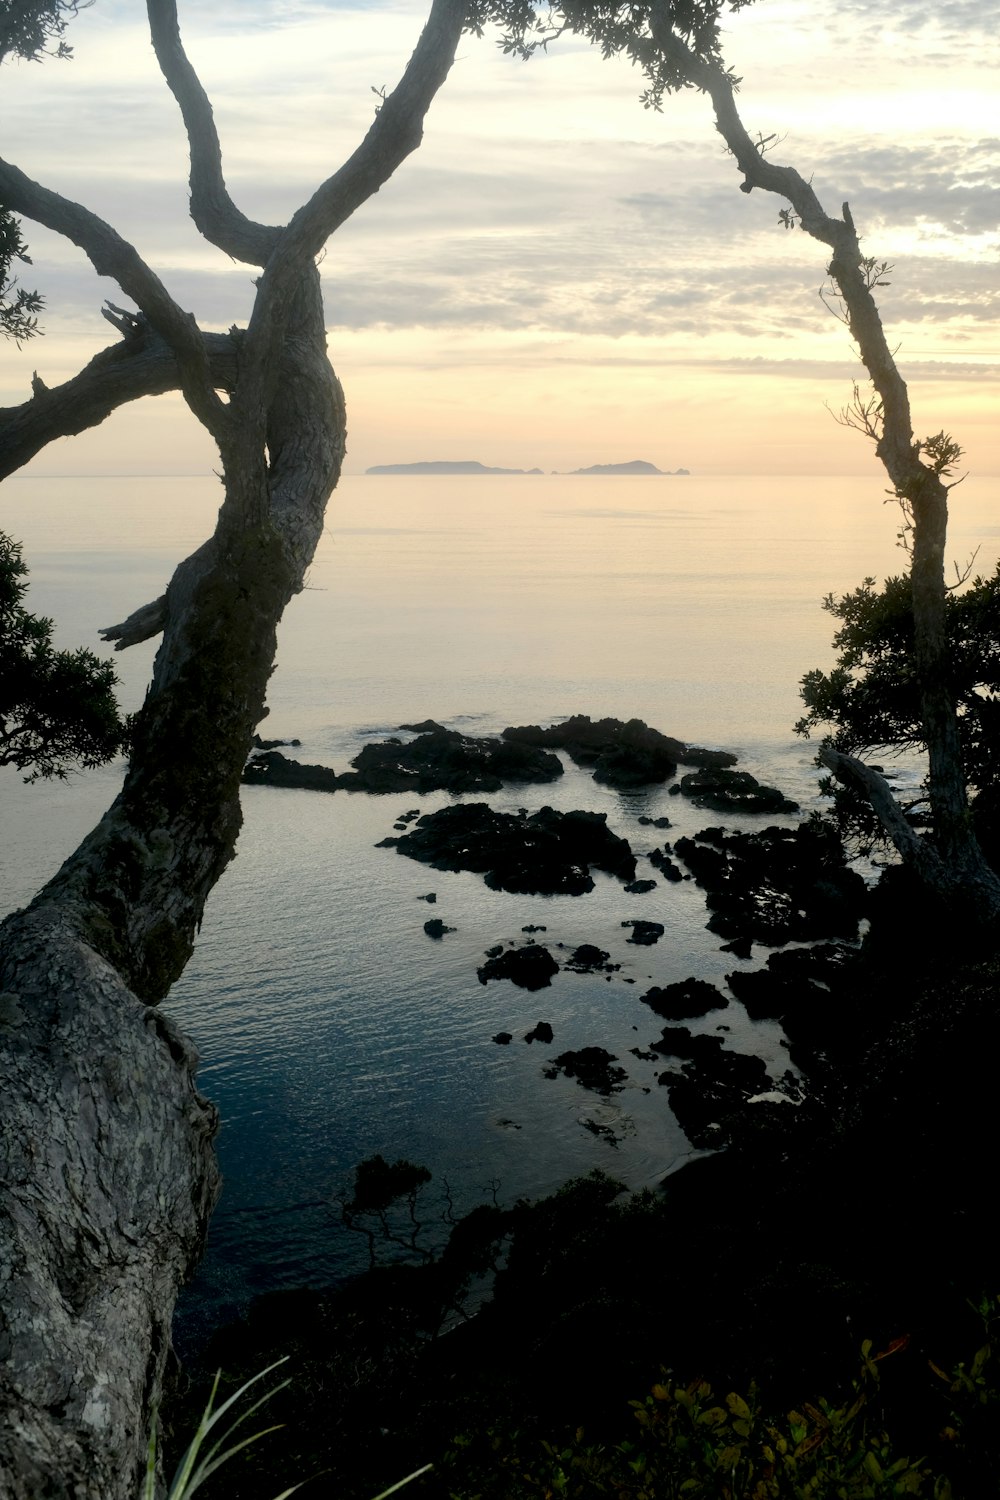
[[141, 366], [141, 625], [396, 131], [113, 256], [212, 208], [854, 772]]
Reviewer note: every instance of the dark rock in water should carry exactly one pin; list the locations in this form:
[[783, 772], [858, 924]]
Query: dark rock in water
[[529, 968], [733, 791], [677, 1041], [431, 897], [709, 1095], [435, 928], [690, 997], [644, 933], [799, 987], [540, 1032], [438, 760], [777, 886], [534, 927], [656, 822], [589, 959], [444, 760], [592, 1068], [426, 726], [546, 852], [271, 768], [620, 754], [640, 887], [260, 744], [502, 1038], [739, 948], [660, 860], [623, 755], [695, 755]]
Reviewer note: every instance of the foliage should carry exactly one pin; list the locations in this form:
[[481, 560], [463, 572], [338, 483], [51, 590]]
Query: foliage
[[871, 697], [29, 29], [19, 308], [687, 1445], [56, 707], [194, 1469], [618, 29]]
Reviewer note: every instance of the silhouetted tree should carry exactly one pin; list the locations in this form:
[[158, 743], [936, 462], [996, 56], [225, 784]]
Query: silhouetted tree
[[676, 49], [57, 708], [106, 1147]]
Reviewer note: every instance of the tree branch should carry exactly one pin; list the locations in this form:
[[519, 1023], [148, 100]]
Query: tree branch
[[396, 131], [111, 255], [143, 365], [212, 208]]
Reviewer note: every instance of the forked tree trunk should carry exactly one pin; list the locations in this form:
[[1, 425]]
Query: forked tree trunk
[[106, 1147]]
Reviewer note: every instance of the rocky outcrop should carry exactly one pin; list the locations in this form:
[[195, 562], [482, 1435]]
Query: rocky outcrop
[[271, 768], [620, 754], [546, 852], [589, 959], [722, 790], [644, 933], [440, 759], [592, 1067], [689, 997], [777, 886], [530, 968]]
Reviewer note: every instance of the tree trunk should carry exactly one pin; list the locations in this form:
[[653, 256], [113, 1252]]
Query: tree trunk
[[106, 1149]]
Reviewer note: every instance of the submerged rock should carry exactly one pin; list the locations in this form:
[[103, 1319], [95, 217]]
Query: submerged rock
[[589, 959], [546, 852]]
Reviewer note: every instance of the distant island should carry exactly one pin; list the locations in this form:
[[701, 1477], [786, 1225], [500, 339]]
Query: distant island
[[441, 466], [635, 466], [471, 466]]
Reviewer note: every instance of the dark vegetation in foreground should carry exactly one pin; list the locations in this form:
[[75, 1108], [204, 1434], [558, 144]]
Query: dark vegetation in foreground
[[856, 1227]]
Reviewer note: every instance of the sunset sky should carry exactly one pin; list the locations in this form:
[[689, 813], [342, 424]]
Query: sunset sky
[[557, 277]]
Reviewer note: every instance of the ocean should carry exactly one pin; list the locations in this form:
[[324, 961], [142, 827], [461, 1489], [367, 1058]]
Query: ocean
[[329, 1024]]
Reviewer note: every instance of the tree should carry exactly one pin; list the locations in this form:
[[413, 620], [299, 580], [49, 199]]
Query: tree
[[28, 30], [675, 50], [106, 1148], [871, 697], [56, 707]]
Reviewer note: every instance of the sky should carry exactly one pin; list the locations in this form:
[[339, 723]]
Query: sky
[[557, 277]]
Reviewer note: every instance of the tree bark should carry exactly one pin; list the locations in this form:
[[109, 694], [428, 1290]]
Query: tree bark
[[106, 1150]]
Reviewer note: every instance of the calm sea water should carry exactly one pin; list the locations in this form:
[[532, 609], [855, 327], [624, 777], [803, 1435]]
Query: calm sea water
[[329, 1025]]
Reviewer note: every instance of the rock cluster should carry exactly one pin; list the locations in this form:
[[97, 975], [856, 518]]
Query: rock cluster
[[777, 886], [546, 852]]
